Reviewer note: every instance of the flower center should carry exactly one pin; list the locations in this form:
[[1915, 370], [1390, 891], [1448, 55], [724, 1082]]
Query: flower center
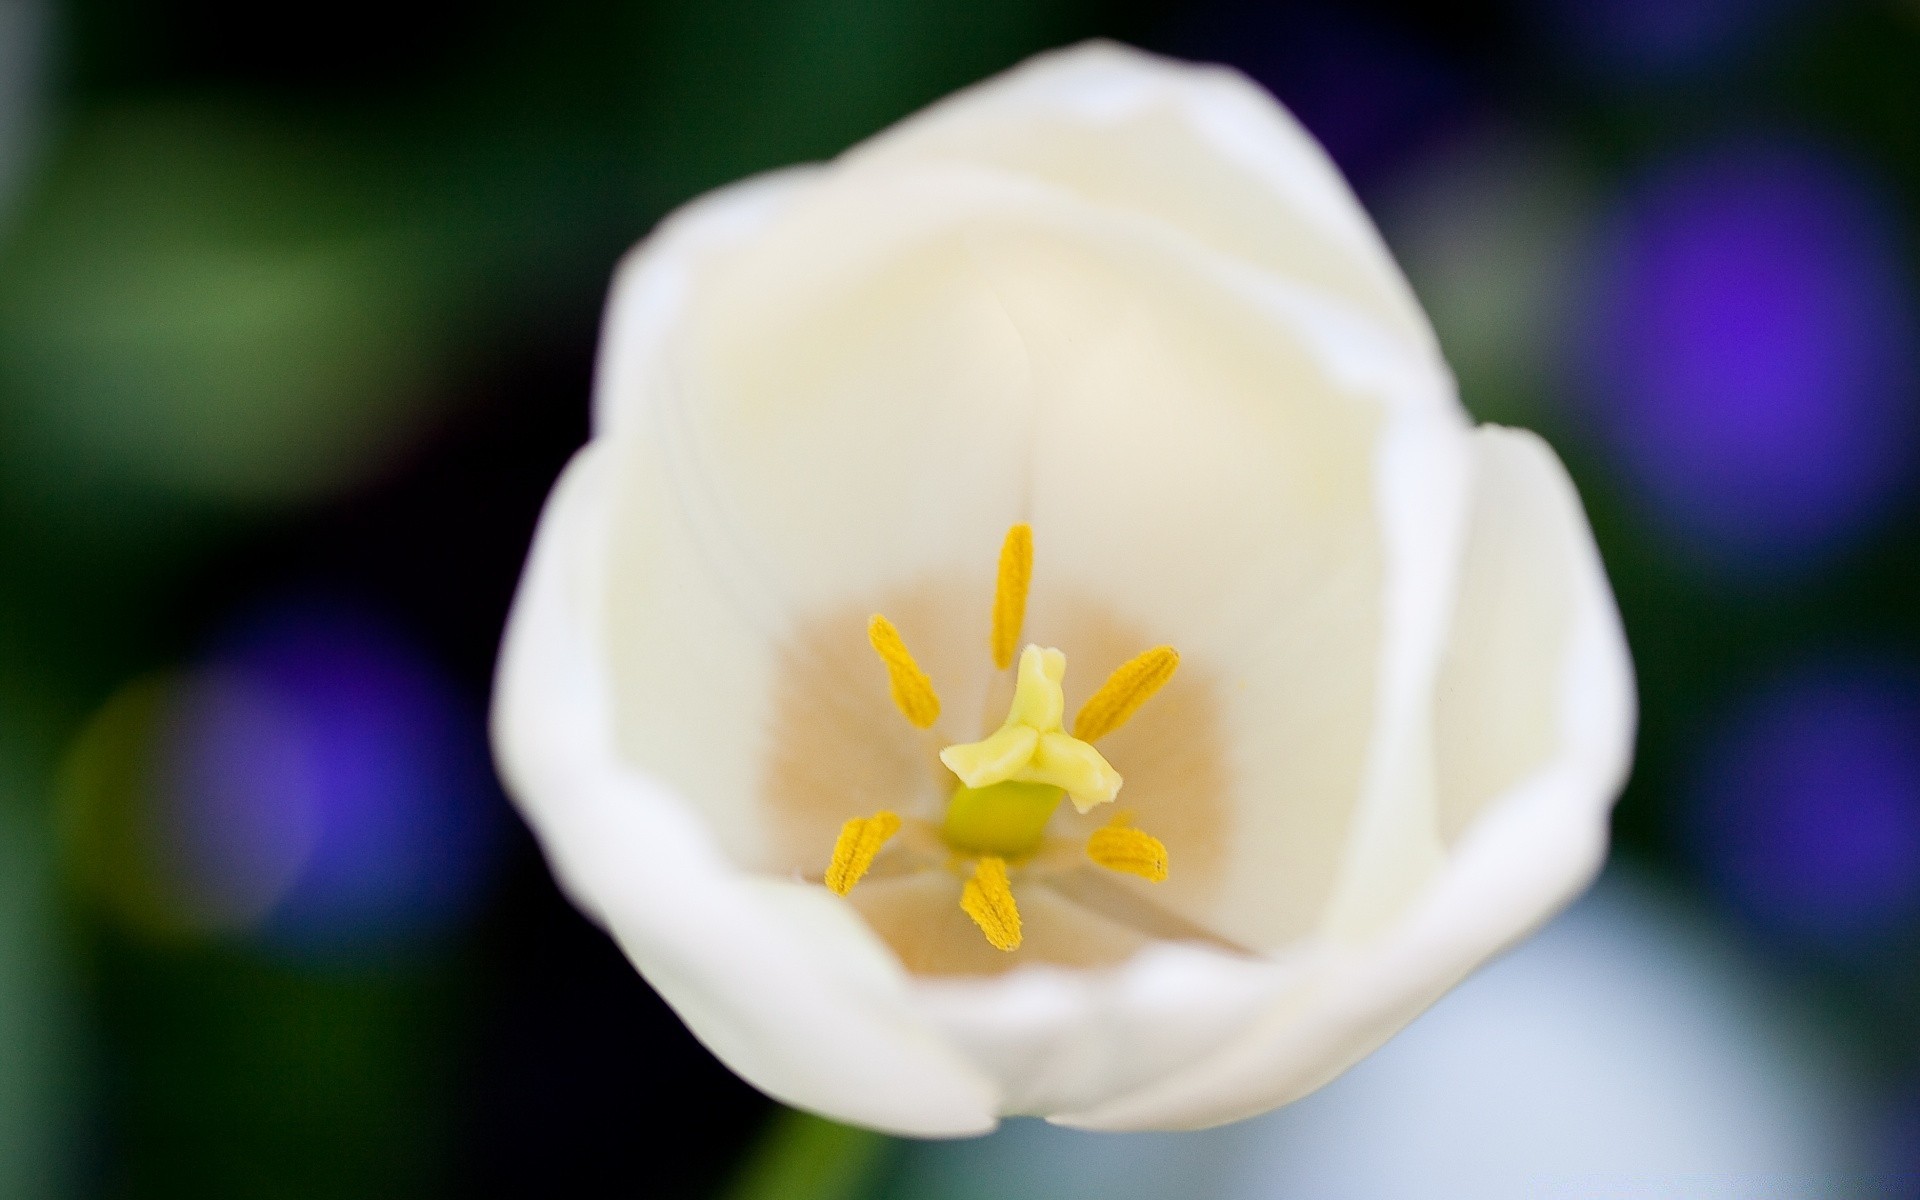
[[1011, 782]]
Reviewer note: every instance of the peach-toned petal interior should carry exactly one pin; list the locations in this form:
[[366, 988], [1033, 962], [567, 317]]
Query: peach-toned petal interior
[[919, 916], [1172, 756], [836, 747]]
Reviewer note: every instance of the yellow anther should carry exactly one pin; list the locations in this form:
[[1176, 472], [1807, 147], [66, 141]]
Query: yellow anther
[[1031, 747], [913, 692], [860, 839], [1010, 593], [1130, 686], [1123, 848], [988, 899]]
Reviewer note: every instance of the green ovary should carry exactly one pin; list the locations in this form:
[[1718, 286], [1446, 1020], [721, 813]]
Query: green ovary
[[1006, 819]]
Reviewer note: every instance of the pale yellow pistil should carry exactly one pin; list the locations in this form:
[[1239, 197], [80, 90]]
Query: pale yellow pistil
[[1033, 746], [1012, 781]]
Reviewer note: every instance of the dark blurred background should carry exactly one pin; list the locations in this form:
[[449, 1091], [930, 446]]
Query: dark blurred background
[[297, 317]]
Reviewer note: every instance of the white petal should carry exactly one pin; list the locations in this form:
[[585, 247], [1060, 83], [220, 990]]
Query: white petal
[[1273, 483], [843, 411], [1536, 624], [1064, 1041], [828, 358], [1394, 845], [1201, 149], [1533, 595], [779, 979], [650, 286]]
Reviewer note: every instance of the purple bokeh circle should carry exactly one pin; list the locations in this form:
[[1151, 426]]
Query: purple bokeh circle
[[323, 766], [1805, 808], [1747, 352]]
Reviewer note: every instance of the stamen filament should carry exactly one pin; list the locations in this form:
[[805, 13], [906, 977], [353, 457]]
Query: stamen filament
[[860, 840], [1010, 593], [912, 691], [1132, 684], [988, 899]]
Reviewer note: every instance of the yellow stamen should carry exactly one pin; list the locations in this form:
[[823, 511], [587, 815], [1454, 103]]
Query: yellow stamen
[[1031, 747], [988, 899], [913, 692], [1122, 848], [1130, 686], [1010, 593], [860, 839]]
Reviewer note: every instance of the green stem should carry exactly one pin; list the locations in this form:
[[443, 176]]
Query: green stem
[[803, 1157]]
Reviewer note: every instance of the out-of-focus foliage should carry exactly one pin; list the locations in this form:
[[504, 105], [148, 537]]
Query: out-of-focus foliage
[[198, 301], [803, 1157], [39, 1073]]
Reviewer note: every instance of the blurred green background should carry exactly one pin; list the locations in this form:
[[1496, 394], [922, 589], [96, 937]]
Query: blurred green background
[[297, 315]]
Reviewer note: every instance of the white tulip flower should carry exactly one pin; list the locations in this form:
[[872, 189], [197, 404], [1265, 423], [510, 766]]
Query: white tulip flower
[[1101, 358]]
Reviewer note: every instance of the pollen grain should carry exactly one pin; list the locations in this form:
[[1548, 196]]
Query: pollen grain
[[860, 840], [1132, 684], [912, 691], [1010, 593], [988, 899]]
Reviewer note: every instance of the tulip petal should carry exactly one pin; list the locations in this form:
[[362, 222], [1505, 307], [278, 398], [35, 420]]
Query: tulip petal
[[1062, 1041], [1199, 149], [1537, 670], [652, 283], [921, 917], [843, 332], [1535, 625], [779, 978], [1273, 484]]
